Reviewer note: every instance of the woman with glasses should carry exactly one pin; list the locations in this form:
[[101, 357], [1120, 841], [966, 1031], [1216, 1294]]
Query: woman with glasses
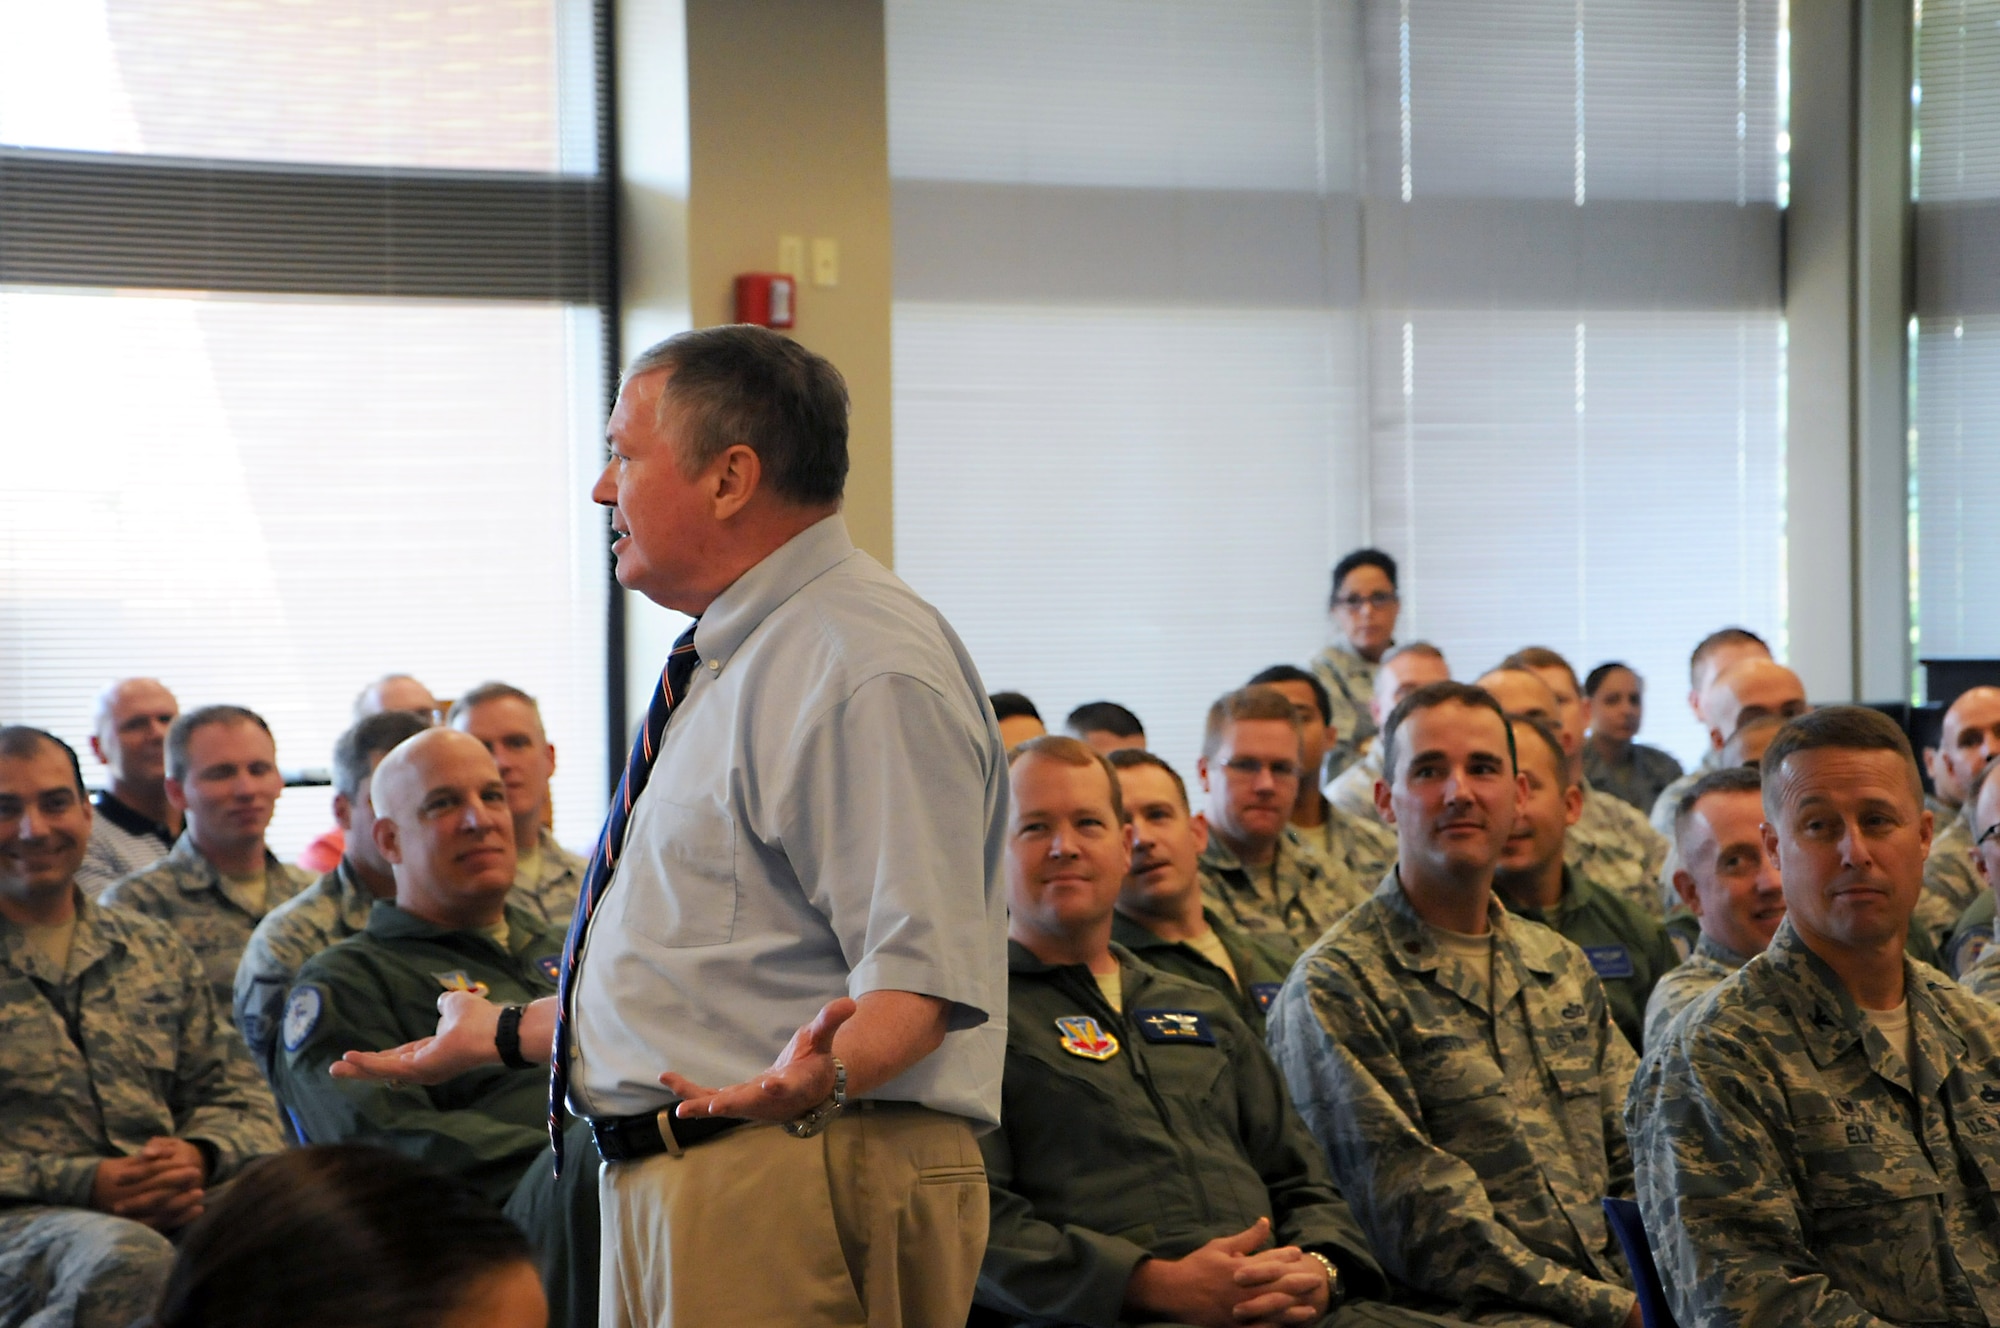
[[1364, 606]]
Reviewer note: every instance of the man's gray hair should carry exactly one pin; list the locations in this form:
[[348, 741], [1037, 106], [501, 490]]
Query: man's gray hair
[[354, 752], [490, 691]]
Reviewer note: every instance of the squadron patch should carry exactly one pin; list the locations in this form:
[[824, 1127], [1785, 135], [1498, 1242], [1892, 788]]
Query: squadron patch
[[1174, 1026], [1610, 961], [1082, 1037], [302, 1016], [458, 980], [1264, 993], [551, 966]]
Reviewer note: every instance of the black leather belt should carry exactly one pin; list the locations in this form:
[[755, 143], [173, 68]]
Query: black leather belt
[[629, 1138]]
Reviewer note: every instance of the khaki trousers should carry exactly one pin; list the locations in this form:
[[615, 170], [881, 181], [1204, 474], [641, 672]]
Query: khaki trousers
[[879, 1222]]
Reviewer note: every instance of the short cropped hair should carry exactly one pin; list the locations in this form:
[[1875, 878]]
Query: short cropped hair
[[1072, 751], [1424, 648], [1593, 683], [354, 751], [1253, 702], [181, 732], [1429, 697], [1546, 731], [491, 691], [1293, 673], [1104, 717], [749, 385], [1360, 558], [1972, 791], [1133, 758], [1531, 658], [24, 744], [1013, 705], [1760, 724], [1714, 641], [1840, 727], [1729, 779]]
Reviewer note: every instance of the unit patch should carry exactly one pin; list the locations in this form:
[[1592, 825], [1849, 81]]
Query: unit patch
[[302, 1016], [1264, 993], [1082, 1037], [1174, 1026], [551, 966], [459, 980], [1610, 961]]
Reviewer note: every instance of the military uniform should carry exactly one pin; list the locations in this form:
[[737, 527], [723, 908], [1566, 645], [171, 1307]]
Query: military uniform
[[1793, 1169], [1681, 987], [1350, 686], [1627, 949], [1353, 789], [185, 891], [1260, 969], [122, 1046], [1637, 780], [1474, 1131], [1970, 937], [1983, 978], [1662, 814], [551, 896], [1361, 845], [1613, 846], [1951, 881], [330, 909], [1148, 1130], [1287, 903]]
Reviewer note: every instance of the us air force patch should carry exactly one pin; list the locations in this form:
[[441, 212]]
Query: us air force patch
[[1264, 993], [551, 966], [1174, 1026], [1082, 1037], [302, 1016]]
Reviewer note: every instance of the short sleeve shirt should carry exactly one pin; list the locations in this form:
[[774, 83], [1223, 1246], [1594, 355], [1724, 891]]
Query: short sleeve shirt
[[825, 819]]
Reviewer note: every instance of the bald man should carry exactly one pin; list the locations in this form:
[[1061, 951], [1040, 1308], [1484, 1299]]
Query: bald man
[[136, 824], [1402, 671], [1751, 687], [1968, 743], [396, 691]]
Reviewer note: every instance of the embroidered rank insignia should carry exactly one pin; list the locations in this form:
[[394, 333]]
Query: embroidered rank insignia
[[1989, 1094], [1572, 1011], [457, 980], [1610, 961], [551, 966], [1174, 1026], [302, 1016], [1264, 993], [1082, 1037]]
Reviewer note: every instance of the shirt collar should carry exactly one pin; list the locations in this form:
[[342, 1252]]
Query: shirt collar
[[751, 598], [1414, 944], [1710, 948], [130, 821], [1830, 1022]]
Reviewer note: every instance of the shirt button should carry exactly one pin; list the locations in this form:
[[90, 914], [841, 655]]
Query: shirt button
[[713, 665]]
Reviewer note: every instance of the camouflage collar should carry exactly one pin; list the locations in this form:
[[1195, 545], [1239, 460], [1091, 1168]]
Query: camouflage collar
[[1414, 944], [1831, 1024], [1220, 858], [1711, 949], [91, 941], [201, 874]]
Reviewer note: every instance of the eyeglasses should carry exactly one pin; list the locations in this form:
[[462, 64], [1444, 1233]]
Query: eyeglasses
[[1991, 831], [1381, 599], [1249, 767]]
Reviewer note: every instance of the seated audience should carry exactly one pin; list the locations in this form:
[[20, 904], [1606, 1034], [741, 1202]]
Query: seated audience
[[1257, 871], [507, 720], [1147, 1168], [1713, 656], [135, 824], [1969, 742], [1458, 1063], [1981, 974], [336, 905], [220, 879], [1363, 845], [387, 694], [1815, 1137], [1019, 720], [1626, 946], [1161, 917], [1613, 761], [126, 1095], [1752, 687], [1364, 606], [1726, 880], [333, 1237], [1106, 726], [1403, 670]]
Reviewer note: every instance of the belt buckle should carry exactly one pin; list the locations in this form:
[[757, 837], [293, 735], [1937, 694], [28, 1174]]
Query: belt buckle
[[663, 1120]]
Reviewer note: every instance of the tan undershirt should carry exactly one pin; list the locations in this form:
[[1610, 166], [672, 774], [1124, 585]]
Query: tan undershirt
[[52, 943], [497, 932], [1211, 949], [1476, 951], [528, 866], [253, 890], [1112, 984]]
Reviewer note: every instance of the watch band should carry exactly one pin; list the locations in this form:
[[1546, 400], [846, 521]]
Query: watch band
[[507, 1038], [816, 1119], [1335, 1291]]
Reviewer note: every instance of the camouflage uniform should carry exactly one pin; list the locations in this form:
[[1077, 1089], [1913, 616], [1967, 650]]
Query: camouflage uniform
[[1288, 903], [1627, 948], [1613, 846], [1662, 814], [1353, 790], [551, 896], [1970, 937], [1794, 1170], [1474, 1133], [1681, 987], [1983, 978], [1361, 844], [1637, 780], [1350, 685], [1951, 882], [1260, 969], [330, 909], [121, 1047], [185, 891]]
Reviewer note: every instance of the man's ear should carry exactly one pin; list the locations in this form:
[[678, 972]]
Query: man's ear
[[1201, 771], [737, 474], [97, 750], [1685, 888], [1200, 823], [1572, 804], [387, 841], [1385, 806], [176, 794], [343, 811]]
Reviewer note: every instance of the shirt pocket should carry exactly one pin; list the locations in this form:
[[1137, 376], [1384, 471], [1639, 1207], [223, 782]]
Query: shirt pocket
[[38, 1047], [1873, 1220], [693, 852]]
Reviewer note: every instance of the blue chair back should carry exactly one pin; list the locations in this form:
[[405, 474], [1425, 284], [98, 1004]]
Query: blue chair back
[[1630, 1229], [299, 1130]]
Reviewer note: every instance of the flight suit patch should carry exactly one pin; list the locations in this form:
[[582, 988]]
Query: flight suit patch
[[1610, 961], [459, 980], [1264, 993], [1174, 1026], [551, 966], [302, 1014], [1082, 1037]]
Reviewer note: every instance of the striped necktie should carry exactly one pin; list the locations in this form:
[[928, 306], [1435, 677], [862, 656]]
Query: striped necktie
[[673, 686]]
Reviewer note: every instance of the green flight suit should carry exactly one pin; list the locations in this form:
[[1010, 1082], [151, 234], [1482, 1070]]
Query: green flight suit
[[1628, 949], [1260, 969]]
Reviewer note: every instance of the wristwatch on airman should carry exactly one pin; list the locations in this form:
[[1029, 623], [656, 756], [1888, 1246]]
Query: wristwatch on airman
[[1335, 1291], [507, 1038], [815, 1120]]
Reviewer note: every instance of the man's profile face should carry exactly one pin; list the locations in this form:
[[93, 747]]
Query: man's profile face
[[443, 819], [1970, 739], [356, 816], [1549, 807], [44, 824], [232, 785], [1066, 852], [511, 732], [1253, 779], [1726, 879], [1365, 608], [132, 739], [1986, 855], [1314, 735], [663, 518], [1403, 675], [1453, 795], [1167, 841], [1571, 718], [1849, 840]]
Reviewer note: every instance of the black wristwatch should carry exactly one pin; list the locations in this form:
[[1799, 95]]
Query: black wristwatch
[[507, 1038]]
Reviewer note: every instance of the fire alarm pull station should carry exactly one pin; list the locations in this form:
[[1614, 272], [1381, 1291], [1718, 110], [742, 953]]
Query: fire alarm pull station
[[765, 298]]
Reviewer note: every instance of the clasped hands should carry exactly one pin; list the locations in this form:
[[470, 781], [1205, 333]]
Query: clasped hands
[[161, 1185], [1230, 1282]]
